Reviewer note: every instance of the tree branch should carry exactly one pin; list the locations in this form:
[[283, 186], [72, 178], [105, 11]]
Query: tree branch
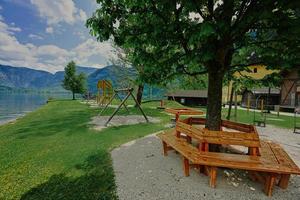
[[199, 9], [210, 6]]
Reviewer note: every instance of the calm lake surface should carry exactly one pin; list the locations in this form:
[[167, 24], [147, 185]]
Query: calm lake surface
[[14, 105]]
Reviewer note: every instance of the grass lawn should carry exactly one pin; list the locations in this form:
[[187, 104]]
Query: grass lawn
[[243, 116], [53, 153]]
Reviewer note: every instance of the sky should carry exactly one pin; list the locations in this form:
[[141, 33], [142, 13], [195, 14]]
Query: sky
[[47, 34]]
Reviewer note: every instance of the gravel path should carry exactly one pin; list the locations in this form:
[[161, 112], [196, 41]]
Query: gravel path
[[143, 173]]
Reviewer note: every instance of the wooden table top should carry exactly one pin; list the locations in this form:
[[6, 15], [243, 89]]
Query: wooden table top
[[184, 111]]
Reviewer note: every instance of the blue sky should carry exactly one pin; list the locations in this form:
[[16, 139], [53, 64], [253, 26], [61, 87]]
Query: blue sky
[[47, 34]]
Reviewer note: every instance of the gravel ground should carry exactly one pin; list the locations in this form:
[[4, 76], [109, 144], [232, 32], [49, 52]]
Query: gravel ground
[[143, 173], [98, 122]]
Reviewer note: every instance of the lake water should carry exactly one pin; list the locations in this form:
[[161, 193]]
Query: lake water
[[14, 105]]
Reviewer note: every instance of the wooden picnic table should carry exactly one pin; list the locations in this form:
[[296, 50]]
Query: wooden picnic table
[[183, 111]]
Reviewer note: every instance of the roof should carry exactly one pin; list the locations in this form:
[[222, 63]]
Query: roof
[[188, 93], [266, 91]]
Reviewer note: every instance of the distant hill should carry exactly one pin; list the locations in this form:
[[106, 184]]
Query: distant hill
[[21, 77], [119, 76]]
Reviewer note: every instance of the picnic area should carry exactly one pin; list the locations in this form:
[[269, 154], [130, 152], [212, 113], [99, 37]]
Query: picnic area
[[163, 100]]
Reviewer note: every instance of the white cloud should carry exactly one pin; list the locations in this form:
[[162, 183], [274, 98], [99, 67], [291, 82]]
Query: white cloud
[[8, 29], [34, 36], [49, 57], [49, 30], [80, 34], [56, 11]]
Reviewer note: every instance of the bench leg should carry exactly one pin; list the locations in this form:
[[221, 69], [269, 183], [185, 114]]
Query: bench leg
[[269, 184], [284, 181], [213, 177], [165, 148], [189, 139], [186, 166], [253, 151]]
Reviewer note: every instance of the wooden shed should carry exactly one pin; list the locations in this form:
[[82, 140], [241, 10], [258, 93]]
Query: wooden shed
[[189, 97], [290, 89], [270, 96]]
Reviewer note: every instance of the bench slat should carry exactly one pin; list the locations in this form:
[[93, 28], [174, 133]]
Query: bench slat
[[282, 157], [217, 137]]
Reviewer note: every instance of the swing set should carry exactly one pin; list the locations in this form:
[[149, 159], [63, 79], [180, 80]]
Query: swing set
[[128, 93], [260, 120], [105, 91]]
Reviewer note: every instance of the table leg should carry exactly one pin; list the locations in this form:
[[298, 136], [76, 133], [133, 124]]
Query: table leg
[[284, 181], [270, 181]]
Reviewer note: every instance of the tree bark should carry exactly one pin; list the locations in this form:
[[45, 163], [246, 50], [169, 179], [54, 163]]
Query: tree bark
[[139, 94], [73, 95], [214, 105], [230, 103]]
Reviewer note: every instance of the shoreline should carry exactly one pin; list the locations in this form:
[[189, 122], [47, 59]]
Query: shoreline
[[7, 121]]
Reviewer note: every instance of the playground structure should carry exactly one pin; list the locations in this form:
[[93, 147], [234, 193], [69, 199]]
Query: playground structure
[[296, 120], [128, 92], [267, 162], [104, 92], [260, 120]]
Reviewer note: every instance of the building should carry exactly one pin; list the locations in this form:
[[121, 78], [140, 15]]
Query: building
[[256, 72], [189, 97], [253, 98], [290, 89]]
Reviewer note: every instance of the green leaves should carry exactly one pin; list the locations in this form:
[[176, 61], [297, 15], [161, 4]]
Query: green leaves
[[167, 36], [73, 82]]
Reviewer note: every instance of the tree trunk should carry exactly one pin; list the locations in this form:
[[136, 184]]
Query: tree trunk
[[214, 105], [230, 103], [139, 94], [73, 95]]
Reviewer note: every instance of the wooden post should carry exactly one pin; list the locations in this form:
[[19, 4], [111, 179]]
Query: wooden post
[[213, 177], [165, 149], [269, 184], [186, 166], [284, 181], [248, 103], [176, 120], [235, 105]]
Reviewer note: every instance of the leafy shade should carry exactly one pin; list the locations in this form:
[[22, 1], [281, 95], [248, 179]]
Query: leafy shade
[[74, 83]]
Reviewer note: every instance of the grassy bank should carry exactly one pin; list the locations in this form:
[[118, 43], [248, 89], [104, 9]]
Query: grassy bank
[[53, 153]]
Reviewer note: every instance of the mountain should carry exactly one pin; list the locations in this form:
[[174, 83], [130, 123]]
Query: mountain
[[21, 77], [119, 76]]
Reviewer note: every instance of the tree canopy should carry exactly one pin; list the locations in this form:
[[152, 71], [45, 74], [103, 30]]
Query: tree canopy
[[170, 38], [74, 83]]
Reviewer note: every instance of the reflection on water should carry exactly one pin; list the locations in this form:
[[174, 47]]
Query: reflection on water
[[16, 105]]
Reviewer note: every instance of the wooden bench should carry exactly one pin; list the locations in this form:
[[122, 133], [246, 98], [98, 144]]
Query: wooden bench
[[247, 139], [273, 163]]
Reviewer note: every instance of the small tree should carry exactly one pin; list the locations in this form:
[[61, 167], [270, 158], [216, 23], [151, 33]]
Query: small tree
[[73, 82]]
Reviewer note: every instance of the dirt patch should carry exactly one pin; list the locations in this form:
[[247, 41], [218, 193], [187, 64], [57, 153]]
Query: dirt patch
[[98, 122]]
